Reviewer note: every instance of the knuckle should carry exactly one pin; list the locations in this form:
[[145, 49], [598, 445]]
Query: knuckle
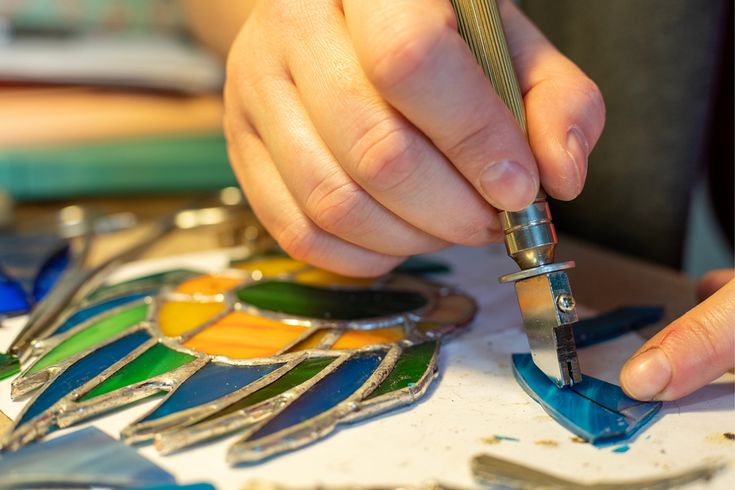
[[399, 57], [693, 335], [297, 239], [386, 157], [594, 99], [338, 209]]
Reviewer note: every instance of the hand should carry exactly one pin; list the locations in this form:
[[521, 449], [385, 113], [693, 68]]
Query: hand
[[365, 132], [694, 350]]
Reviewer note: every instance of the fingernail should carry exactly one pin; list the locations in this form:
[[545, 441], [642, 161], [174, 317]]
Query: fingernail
[[508, 185], [578, 149], [646, 375]]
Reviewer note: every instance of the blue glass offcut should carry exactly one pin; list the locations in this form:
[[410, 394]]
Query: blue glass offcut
[[326, 394], [83, 458], [12, 297], [595, 410], [82, 371], [615, 323], [50, 272], [98, 308], [210, 383]]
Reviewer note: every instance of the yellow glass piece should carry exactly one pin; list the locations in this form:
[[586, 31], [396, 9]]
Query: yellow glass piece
[[321, 277], [240, 335], [178, 317], [312, 341], [271, 266], [208, 284], [354, 339]]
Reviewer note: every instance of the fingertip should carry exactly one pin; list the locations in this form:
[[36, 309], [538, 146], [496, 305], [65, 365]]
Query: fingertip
[[646, 375]]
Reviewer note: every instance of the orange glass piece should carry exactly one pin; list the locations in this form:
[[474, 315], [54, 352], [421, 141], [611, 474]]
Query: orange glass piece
[[354, 339], [240, 335], [271, 266], [312, 341], [178, 317], [208, 284], [319, 277]]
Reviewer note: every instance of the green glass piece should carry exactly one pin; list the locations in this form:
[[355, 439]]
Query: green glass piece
[[408, 370], [300, 374], [98, 332], [157, 360], [422, 265], [329, 303], [9, 365], [151, 281]]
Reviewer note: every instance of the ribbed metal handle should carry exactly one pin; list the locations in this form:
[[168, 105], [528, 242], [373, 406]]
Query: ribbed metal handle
[[482, 28]]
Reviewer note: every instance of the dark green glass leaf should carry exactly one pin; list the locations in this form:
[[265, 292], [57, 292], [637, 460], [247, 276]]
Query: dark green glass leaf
[[9, 365], [409, 369], [332, 304], [157, 360], [300, 374]]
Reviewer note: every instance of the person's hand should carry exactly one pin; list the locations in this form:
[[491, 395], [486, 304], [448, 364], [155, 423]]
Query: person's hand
[[365, 132], [694, 350]]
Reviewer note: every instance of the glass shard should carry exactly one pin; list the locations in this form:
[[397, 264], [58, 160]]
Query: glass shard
[[326, 394], [312, 341], [354, 339], [209, 284], [595, 410], [86, 458], [13, 298], [96, 333], [9, 365], [157, 360], [333, 304], [409, 369], [240, 335], [178, 317], [609, 325], [303, 372], [210, 383], [82, 371], [50, 272], [151, 281], [99, 308]]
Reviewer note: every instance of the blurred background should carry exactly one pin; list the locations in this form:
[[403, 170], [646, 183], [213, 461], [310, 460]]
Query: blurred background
[[115, 98]]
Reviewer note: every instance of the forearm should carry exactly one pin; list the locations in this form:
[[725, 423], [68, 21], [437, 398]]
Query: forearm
[[217, 22]]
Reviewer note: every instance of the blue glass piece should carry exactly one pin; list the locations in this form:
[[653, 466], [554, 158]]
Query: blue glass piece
[[210, 383], [12, 297], [101, 307], [615, 323], [327, 393], [84, 458], [50, 272], [595, 410], [82, 371]]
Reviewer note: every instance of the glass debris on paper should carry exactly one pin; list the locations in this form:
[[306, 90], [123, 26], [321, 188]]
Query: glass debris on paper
[[270, 349], [84, 458], [595, 410]]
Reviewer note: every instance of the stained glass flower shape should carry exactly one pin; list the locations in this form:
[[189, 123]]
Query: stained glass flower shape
[[269, 348]]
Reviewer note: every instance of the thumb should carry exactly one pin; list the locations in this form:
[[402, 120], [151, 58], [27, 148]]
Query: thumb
[[692, 351]]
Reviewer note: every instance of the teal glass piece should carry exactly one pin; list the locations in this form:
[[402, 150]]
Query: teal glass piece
[[84, 458], [614, 324], [152, 281], [422, 265], [328, 303], [597, 411]]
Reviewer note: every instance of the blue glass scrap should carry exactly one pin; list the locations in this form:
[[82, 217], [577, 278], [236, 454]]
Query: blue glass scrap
[[13, 299], [615, 323], [50, 272], [597, 411], [86, 457]]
